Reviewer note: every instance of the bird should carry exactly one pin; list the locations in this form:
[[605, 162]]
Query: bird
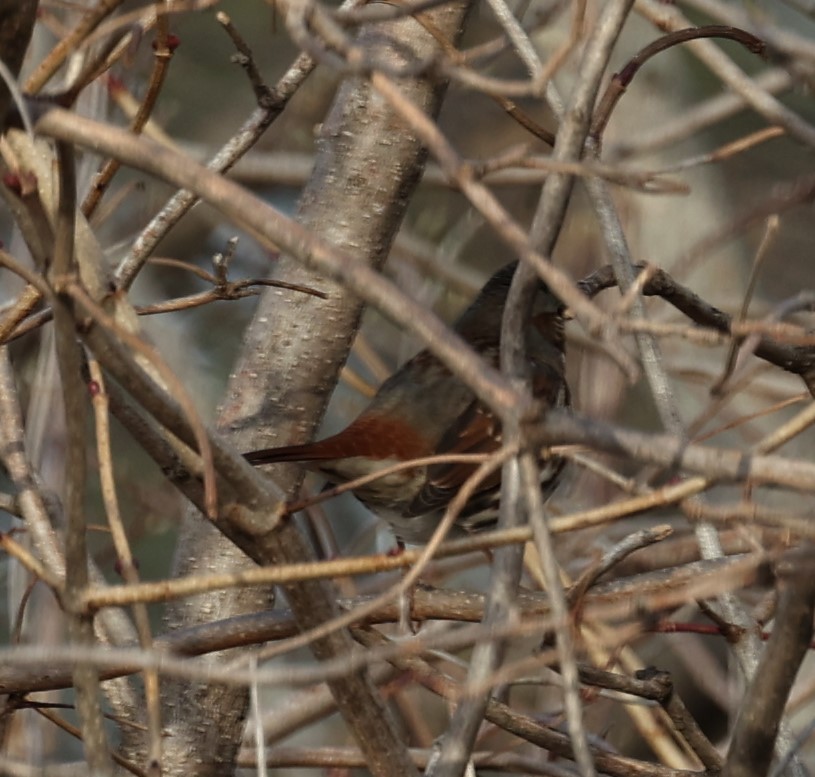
[[423, 409]]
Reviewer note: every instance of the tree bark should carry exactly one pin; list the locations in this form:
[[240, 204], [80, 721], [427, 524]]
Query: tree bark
[[368, 164]]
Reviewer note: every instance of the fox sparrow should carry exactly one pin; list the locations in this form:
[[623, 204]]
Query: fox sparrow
[[423, 409]]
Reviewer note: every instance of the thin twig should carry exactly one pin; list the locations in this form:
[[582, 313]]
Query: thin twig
[[80, 627], [125, 559]]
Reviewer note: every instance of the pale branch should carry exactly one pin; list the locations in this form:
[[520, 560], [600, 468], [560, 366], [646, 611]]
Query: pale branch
[[27, 670]]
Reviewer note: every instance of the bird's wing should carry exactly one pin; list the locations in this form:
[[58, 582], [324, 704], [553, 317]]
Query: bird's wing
[[477, 430]]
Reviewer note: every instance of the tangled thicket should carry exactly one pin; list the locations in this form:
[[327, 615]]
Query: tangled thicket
[[646, 150]]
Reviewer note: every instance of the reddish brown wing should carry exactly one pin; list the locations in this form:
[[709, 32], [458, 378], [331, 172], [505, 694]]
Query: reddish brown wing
[[477, 430]]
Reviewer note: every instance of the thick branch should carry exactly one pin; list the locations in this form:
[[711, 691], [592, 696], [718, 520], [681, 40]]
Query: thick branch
[[753, 743], [365, 169]]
